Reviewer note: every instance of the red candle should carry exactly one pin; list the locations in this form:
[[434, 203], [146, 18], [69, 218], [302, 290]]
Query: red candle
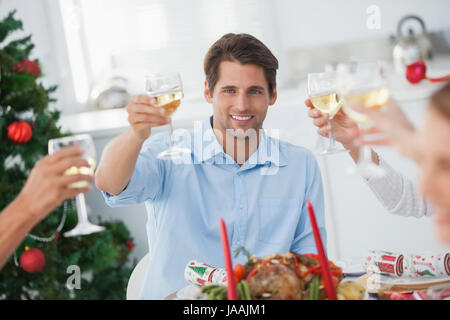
[[326, 274], [228, 263]]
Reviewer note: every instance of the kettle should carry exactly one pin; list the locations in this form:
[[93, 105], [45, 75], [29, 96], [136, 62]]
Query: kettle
[[411, 47]]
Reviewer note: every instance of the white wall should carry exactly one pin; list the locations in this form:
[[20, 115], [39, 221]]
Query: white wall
[[308, 23]]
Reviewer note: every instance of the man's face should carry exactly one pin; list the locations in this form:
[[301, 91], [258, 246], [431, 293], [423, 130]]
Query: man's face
[[240, 98], [435, 165]]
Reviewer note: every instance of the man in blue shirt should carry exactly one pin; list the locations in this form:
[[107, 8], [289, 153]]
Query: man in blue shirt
[[257, 184]]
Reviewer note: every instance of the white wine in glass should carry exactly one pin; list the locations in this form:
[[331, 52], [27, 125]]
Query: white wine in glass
[[364, 84], [323, 96], [167, 89], [326, 103], [169, 101], [82, 170], [86, 143], [372, 98]]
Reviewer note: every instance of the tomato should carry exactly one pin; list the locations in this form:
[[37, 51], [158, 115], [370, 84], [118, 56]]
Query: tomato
[[239, 272]]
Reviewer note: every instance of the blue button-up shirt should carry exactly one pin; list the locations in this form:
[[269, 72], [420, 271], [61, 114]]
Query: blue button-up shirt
[[263, 203]]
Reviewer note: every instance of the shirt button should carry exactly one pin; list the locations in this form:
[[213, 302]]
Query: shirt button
[[241, 206]]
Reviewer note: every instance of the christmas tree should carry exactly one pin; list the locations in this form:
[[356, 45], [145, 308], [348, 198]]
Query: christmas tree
[[26, 125]]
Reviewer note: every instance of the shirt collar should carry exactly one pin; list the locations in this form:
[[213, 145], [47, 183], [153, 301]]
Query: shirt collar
[[206, 148]]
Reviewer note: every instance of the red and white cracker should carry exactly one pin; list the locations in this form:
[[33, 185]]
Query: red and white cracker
[[427, 265], [203, 274], [384, 262]]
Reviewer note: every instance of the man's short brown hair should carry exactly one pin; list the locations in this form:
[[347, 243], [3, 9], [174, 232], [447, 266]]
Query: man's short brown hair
[[440, 100], [245, 49]]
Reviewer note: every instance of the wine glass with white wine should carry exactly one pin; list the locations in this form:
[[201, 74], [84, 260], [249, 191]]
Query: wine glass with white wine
[[86, 143], [167, 89], [323, 96], [364, 84]]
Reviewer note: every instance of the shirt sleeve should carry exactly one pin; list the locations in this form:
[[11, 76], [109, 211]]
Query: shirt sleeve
[[304, 240], [398, 194], [147, 180]]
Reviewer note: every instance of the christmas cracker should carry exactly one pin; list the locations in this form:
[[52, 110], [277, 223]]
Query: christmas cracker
[[203, 274]]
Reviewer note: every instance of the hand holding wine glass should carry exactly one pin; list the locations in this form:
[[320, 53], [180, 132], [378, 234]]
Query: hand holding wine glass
[[365, 84], [144, 114], [166, 88], [345, 129], [47, 186], [343, 126], [86, 143], [323, 96]]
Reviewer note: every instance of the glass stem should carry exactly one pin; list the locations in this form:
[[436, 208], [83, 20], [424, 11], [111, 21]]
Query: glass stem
[[81, 209], [332, 140], [171, 134]]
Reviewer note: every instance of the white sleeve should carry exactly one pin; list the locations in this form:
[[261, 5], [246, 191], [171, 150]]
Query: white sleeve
[[398, 194]]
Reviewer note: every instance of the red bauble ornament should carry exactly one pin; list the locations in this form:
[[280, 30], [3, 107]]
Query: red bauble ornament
[[27, 66], [20, 132], [417, 71], [130, 245], [32, 260]]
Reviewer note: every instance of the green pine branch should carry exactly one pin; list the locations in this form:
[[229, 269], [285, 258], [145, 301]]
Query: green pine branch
[[9, 25], [20, 49]]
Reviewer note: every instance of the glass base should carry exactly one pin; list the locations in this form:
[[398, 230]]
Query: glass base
[[174, 153], [369, 170], [332, 150], [83, 229]]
